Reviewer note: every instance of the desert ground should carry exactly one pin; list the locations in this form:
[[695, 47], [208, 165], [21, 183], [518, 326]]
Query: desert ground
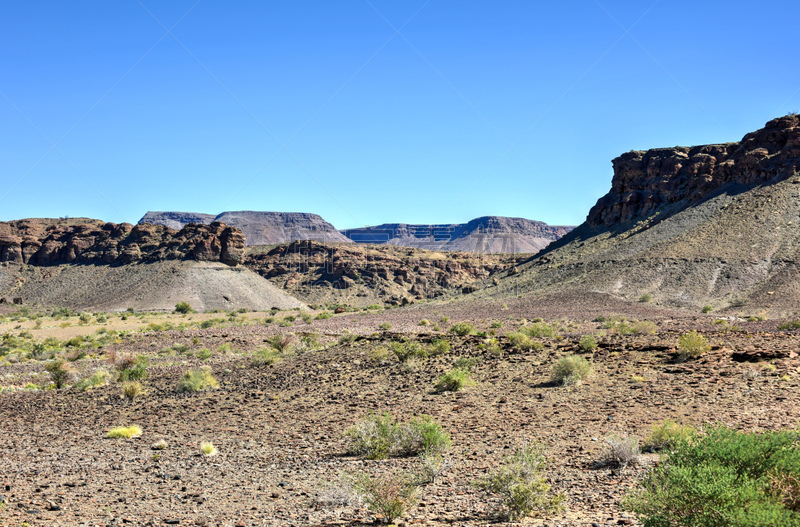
[[279, 429]]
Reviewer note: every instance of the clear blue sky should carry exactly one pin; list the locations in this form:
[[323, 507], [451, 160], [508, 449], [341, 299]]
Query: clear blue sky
[[370, 111]]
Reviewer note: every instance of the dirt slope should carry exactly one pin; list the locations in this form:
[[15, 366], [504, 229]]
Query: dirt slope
[[688, 229], [144, 286]]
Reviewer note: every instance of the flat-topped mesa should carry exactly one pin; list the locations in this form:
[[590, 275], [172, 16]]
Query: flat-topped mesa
[[259, 227], [484, 234], [646, 180], [53, 242]]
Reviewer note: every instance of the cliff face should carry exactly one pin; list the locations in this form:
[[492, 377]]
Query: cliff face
[[259, 228], [488, 234], [712, 225], [51, 242], [646, 180], [176, 220]]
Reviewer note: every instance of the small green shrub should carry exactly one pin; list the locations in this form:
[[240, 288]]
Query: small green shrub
[[324, 315], [380, 436], [204, 354], [439, 347], [521, 484], [644, 327], [424, 322], [408, 349], [389, 495], [99, 378], [587, 343], [283, 343], [462, 329], [647, 297], [667, 433], [789, 325], [522, 342], [132, 368], [132, 389], [465, 363], [385, 326], [571, 369], [198, 379], [208, 449], [183, 308], [539, 330], [266, 356], [692, 345], [124, 431], [60, 372], [452, 381], [347, 337], [707, 309], [723, 478]]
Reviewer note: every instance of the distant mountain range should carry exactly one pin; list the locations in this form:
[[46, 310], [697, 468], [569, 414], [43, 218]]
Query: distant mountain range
[[489, 234]]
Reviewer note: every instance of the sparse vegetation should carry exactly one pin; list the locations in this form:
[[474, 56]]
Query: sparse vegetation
[[692, 345], [647, 297], [389, 495], [571, 369], [60, 372], [100, 377], [124, 432], [380, 436], [462, 329], [621, 450], [666, 434], [724, 478], [183, 308], [132, 389], [198, 379], [453, 381], [521, 483], [707, 309], [208, 449], [587, 343], [789, 325], [539, 330]]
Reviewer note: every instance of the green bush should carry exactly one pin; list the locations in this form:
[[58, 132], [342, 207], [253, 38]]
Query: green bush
[[587, 343], [380, 436], [539, 330], [521, 483], [647, 297], [439, 347], [523, 341], [100, 377], [789, 325], [667, 433], [407, 349], [60, 372], [266, 356], [465, 363], [571, 369], [183, 308], [133, 368], [388, 495], [452, 381], [725, 478], [462, 329], [707, 309], [692, 345], [198, 379]]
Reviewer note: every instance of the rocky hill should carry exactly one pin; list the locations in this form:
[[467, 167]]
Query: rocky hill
[[488, 234], [259, 228], [689, 227], [89, 264], [52, 242], [360, 275]]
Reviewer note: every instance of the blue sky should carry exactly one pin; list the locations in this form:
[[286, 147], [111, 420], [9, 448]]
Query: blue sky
[[374, 111]]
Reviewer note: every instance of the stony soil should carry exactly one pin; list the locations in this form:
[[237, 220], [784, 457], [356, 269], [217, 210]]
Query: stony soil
[[279, 428]]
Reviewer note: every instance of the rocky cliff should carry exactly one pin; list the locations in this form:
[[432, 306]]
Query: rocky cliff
[[488, 234], [363, 275], [646, 180], [712, 227], [176, 220], [259, 228], [43, 242]]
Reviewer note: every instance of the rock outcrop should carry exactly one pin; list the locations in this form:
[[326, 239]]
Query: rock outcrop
[[363, 275], [646, 180], [176, 220], [688, 227], [259, 228], [44, 242], [488, 234]]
